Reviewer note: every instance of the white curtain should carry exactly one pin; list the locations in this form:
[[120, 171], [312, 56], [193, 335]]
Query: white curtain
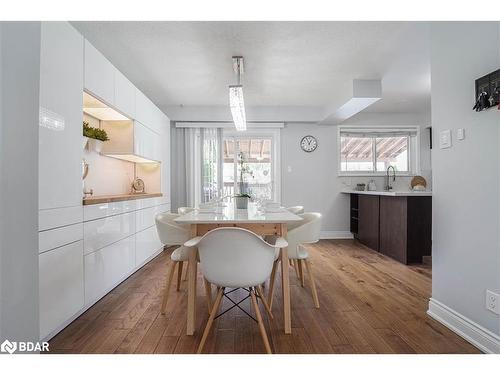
[[196, 165], [211, 163]]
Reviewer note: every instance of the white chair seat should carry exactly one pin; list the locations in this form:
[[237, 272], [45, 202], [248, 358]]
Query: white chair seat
[[181, 254]]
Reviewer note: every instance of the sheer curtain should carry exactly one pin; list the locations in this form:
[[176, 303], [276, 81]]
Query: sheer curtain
[[211, 161], [196, 165]]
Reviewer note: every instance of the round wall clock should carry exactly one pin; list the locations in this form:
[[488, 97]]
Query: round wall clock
[[309, 143]]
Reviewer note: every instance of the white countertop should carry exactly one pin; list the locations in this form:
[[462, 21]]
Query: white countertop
[[391, 193], [233, 215]]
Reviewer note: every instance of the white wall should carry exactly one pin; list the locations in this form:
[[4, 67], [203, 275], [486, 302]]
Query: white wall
[[313, 181], [19, 101], [466, 177]]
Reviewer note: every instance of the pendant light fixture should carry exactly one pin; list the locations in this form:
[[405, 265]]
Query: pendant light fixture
[[236, 102]]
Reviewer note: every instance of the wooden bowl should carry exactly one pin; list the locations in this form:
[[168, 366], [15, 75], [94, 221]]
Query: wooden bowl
[[418, 180]]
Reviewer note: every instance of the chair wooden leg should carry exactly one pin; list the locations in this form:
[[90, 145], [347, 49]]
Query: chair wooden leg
[[313, 284], [179, 275], [271, 285], [296, 267], [208, 292], [290, 261], [170, 275], [300, 265], [261, 323], [211, 318], [260, 293]]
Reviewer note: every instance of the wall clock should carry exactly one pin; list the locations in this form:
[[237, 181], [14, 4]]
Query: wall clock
[[309, 143]]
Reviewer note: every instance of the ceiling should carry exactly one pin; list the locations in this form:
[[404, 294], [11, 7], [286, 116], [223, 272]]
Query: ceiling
[[286, 63]]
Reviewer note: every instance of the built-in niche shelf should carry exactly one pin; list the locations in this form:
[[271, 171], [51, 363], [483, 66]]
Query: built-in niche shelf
[[132, 151]]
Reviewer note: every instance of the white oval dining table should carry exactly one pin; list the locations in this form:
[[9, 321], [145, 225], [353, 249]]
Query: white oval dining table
[[259, 222]]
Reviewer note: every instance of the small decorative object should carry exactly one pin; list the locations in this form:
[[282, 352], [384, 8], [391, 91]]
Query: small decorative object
[[308, 143], [95, 137], [242, 201], [418, 183], [487, 91], [372, 186], [360, 187], [138, 186], [85, 169]]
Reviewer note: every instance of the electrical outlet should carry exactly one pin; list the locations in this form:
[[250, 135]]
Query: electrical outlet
[[493, 302]]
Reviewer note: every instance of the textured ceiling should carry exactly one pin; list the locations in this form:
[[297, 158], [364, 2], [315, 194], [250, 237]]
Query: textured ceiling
[[286, 63]]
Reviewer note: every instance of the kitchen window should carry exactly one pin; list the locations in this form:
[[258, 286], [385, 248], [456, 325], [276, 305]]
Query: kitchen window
[[370, 151]]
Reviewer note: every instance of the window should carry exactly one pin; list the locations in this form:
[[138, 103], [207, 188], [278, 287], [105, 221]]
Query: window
[[256, 154], [259, 149], [370, 151]]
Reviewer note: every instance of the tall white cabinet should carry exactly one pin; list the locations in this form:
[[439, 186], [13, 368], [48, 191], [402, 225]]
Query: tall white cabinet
[[85, 251], [61, 286]]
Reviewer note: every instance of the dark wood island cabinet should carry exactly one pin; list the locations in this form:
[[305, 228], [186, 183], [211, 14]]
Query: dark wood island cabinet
[[394, 225]]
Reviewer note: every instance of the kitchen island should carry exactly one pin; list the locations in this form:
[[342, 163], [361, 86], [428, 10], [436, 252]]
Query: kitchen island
[[395, 223]]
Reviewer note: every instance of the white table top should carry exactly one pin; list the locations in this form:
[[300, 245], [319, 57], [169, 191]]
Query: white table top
[[232, 215], [391, 193]]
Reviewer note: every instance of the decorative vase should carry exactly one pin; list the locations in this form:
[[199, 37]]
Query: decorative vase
[[95, 145], [241, 203]]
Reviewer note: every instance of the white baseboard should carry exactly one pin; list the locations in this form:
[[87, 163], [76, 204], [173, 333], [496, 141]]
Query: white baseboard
[[335, 235], [480, 337]]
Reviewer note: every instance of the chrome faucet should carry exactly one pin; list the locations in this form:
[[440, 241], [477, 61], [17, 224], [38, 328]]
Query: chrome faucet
[[388, 179]]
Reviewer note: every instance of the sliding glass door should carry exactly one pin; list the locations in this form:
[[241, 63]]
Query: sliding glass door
[[248, 165]]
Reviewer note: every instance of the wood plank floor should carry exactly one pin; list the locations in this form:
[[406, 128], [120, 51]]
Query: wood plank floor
[[369, 304]]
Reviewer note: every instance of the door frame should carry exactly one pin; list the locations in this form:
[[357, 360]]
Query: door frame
[[275, 135]]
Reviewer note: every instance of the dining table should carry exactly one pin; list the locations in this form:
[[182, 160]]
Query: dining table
[[262, 221]]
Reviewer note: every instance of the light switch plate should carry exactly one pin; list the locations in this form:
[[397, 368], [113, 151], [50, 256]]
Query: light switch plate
[[493, 302], [445, 139], [461, 134]]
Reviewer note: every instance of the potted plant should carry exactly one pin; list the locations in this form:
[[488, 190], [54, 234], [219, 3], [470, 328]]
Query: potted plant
[[242, 201], [245, 172], [95, 137], [242, 198]]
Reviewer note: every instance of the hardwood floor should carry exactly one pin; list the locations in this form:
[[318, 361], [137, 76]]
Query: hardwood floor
[[369, 304]]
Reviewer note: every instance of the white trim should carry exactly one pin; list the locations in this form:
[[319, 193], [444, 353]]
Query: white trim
[[228, 125], [477, 335], [335, 235]]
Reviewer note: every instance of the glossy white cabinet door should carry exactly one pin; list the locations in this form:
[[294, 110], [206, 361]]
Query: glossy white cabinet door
[[108, 266], [124, 95], [144, 108], [147, 244], [61, 286], [99, 74], [50, 239], [98, 211], [165, 160], [60, 130], [103, 232], [145, 142]]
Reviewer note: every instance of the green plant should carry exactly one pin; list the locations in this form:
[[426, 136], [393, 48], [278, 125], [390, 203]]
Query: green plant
[[95, 133]]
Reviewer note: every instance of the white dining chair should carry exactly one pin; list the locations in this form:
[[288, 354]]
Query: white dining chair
[[172, 233], [236, 258], [296, 209], [307, 232], [184, 210]]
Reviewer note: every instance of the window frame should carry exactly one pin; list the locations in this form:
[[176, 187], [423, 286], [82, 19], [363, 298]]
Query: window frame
[[413, 149], [267, 133]]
